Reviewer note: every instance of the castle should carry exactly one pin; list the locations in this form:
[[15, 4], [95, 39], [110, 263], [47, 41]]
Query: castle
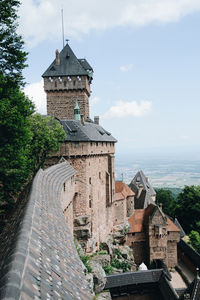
[[88, 147], [99, 203], [38, 257]]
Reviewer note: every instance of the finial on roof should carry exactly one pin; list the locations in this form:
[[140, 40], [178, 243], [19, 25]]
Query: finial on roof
[[67, 40], [77, 114]]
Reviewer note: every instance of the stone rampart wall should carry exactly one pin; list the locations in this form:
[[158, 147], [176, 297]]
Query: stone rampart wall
[[38, 257]]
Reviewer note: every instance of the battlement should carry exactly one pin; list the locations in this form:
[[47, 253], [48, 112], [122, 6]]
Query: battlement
[[67, 83]]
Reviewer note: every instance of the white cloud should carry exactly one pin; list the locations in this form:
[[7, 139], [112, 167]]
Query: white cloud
[[124, 109], [95, 100], [184, 137], [126, 68], [41, 19], [35, 92]]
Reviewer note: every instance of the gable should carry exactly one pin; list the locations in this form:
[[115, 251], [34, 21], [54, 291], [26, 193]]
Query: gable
[[157, 217]]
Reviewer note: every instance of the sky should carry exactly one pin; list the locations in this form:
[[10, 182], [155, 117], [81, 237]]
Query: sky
[[146, 60]]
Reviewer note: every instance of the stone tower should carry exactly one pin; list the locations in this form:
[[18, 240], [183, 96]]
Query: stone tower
[[66, 80]]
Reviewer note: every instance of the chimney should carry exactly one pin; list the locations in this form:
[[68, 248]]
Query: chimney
[[82, 120], [160, 206], [96, 120], [57, 57]]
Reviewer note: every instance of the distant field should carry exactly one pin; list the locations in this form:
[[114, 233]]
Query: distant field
[[161, 172]]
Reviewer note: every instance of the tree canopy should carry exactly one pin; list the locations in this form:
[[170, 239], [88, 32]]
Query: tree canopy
[[167, 199], [26, 139], [47, 135], [12, 55], [188, 208], [195, 240], [15, 110]]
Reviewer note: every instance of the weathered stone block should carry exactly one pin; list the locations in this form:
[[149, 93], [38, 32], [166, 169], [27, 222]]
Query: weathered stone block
[[82, 220], [103, 260]]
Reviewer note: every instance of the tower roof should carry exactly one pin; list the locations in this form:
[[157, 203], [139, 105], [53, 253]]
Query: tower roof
[[145, 198], [89, 132], [68, 65]]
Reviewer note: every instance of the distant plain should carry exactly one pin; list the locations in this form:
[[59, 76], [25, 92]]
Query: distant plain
[[162, 170]]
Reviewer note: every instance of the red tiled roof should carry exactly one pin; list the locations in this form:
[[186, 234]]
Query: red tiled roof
[[140, 217], [118, 196], [136, 220], [172, 226], [121, 187]]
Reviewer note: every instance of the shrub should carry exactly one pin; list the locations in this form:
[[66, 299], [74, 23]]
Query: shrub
[[115, 263], [108, 269], [85, 259]]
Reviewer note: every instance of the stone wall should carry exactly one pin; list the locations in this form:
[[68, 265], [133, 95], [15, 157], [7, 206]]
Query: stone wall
[[171, 254], [71, 149], [157, 245], [62, 94], [94, 185], [119, 212], [138, 242], [129, 206], [90, 196], [38, 257], [158, 237]]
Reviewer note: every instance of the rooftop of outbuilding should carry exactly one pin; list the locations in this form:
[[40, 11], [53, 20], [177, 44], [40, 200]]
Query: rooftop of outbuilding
[[140, 217], [122, 191]]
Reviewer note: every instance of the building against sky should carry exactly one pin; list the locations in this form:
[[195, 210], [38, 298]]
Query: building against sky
[[89, 148], [146, 62]]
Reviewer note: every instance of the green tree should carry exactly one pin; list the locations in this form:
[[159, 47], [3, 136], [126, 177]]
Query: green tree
[[12, 55], [195, 240], [26, 140], [188, 208], [47, 135], [15, 110], [167, 199]]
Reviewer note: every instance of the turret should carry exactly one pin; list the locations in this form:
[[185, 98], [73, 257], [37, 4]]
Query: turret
[[77, 115], [65, 80]]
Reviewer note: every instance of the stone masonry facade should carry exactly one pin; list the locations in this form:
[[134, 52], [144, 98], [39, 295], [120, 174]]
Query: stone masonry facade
[[62, 95], [97, 203], [153, 237], [94, 190]]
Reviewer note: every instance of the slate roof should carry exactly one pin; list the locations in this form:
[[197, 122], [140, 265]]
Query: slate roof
[[196, 289], [190, 252], [69, 65], [141, 282], [147, 190], [131, 278], [176, 222], [89, 132], [37, 254]]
